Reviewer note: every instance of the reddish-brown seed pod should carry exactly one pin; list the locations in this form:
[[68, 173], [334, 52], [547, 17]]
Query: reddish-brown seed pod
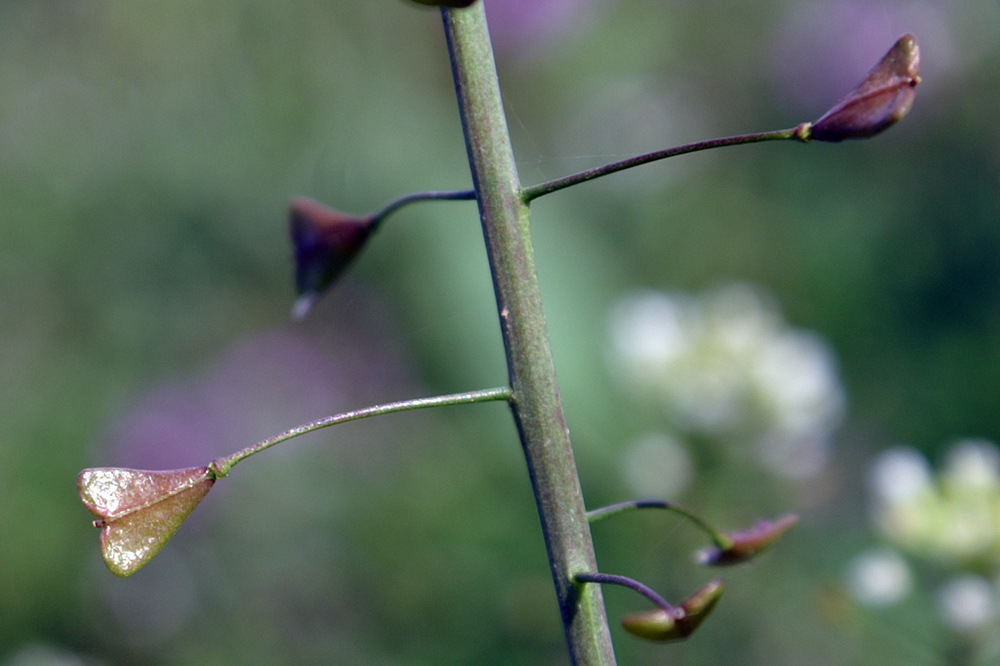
[[139, 511], [325, 242], [881, 100], [747, 544]]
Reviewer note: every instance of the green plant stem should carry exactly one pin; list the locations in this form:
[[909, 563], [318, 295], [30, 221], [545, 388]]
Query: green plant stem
[[535, 403], [630, 583], [530, 193], [394, 205], [719, 538], [221, 466]]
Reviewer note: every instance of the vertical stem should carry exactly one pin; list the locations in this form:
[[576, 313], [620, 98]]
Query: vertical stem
[[535, 402]]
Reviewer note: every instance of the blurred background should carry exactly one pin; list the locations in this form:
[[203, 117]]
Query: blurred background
[[764, 329]]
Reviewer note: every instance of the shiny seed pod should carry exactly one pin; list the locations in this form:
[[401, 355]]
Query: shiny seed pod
[[138, 511], [881, 100]]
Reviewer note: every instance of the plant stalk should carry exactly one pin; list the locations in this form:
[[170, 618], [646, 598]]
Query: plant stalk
[[718, 537], [405, 200], [535, 402], [630, 583], [535, 191], [221, 466]]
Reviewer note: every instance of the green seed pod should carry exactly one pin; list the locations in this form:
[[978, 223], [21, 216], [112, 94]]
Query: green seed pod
[[700, 604], [672, 624], [658, 624]]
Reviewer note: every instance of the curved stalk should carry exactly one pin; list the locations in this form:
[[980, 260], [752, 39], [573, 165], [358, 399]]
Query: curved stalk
[[800, 133], [397, 203], [625, 581], [220, 466], [721, 539]]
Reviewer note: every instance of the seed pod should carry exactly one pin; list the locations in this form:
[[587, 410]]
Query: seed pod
[[325, 242], [139, 511], [700, 604], [659, 624], [878, 102], [749, 543], [672, 624]]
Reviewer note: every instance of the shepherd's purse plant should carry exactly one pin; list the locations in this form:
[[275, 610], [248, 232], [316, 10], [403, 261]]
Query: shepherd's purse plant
[[139, 511]]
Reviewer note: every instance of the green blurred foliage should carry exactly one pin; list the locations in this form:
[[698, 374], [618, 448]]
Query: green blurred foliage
[[147, 151]]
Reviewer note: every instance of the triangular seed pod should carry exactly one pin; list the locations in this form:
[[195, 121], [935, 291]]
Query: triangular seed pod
[[672, 624], [139, 511], [325, 242], [878, 102], [747, 544], [700, 604]]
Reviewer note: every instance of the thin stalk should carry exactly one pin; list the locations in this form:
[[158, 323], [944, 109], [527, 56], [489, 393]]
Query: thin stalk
[[530, 193], [630, 583], [221, 466], [718, 537], [535, 403], [394, 205]]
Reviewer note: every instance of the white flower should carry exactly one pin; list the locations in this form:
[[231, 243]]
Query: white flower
[[879, 577], [797, 376], [972, 464], [967, 603], [726, 365], [650, 330], [955, 515], [900, 475]]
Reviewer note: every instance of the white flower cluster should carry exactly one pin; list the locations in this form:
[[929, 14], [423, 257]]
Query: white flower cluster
[[881, 577], [726, 365], [953, 516]]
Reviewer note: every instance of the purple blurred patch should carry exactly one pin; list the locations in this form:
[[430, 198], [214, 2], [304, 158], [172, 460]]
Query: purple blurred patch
[[264, 384], [519, 27], [824, 48]]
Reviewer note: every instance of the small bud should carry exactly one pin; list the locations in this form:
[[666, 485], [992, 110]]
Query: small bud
[[881, 100], [139, 511], [749, 543], [325, 242], [671, 624]]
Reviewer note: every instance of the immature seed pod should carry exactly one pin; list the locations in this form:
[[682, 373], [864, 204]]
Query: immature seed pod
[[325, 242], [700, 604], [747, 544], [878, 102], [659, 624], [672, 624]]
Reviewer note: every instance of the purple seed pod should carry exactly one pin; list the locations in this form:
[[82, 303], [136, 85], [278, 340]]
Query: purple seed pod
[[881, 100]]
